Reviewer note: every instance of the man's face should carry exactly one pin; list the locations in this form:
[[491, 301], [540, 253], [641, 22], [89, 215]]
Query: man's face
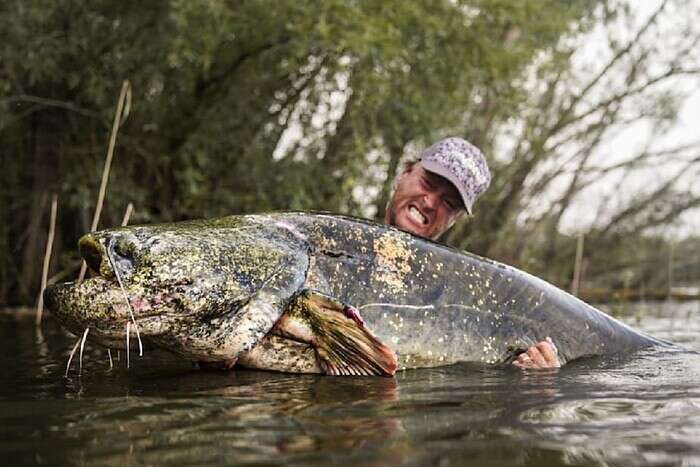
[[424, 203]]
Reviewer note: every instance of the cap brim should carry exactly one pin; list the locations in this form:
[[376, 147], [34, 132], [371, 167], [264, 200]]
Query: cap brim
[[444, 172]]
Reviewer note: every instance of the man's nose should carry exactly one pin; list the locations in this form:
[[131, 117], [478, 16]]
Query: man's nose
[[431, 200]]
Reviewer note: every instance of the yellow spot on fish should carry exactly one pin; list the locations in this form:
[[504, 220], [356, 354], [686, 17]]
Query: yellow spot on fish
[[393, 261]]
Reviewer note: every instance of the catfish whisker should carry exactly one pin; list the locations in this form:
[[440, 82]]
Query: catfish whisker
[[126, 298], [82, 346], [396, 305], [70, 358]]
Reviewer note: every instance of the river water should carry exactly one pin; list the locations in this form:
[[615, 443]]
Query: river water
[[642, 409]]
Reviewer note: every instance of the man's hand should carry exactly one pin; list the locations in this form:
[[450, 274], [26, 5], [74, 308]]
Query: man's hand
[[539, 356]]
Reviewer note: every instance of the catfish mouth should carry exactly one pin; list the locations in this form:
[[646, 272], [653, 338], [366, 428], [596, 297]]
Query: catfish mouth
[[99, 301]]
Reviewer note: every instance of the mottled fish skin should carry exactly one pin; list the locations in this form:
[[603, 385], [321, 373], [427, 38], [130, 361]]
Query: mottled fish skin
[[206, 290], [433, 305], [276, 353]]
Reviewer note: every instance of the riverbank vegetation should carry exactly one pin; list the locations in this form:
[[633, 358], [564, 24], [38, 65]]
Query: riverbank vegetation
[[252, 106]]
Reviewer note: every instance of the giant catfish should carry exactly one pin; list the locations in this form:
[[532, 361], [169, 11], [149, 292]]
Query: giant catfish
[[320, 293]]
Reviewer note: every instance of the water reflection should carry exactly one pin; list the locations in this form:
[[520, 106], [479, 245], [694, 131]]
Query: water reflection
[[630, 410]]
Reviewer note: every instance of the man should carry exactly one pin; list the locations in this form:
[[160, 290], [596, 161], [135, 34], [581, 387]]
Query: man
[[432, 193]]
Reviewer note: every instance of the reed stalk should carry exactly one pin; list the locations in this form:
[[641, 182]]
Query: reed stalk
[[120, 115], [47, 259], [576, 282], [127, 214], [671, 248]]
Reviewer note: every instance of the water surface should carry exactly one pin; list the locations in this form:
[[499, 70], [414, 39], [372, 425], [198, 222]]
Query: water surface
[[642, 409]]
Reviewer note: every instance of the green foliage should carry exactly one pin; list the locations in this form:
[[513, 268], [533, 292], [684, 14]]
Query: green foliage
[[242, 106]]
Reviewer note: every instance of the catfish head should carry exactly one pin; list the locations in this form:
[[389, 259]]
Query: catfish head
[[206, 290]]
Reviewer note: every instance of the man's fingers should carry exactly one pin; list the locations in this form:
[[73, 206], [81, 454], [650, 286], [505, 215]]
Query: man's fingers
[[541, 355], [523, 361], [548, 352], [536, 357]]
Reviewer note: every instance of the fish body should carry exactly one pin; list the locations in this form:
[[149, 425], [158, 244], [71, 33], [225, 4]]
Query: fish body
[[281, 291]]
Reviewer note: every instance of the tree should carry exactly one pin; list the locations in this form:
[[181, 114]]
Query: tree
[[558, 157], [241, 106]]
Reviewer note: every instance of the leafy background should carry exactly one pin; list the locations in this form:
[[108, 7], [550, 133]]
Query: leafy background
[[265, 105]]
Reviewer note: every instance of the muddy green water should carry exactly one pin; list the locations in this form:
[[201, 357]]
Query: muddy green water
[[642, 409]]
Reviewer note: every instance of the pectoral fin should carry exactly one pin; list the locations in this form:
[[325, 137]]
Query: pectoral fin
[[343, 345]]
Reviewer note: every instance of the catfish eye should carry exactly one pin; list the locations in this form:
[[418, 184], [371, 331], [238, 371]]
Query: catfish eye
[[121, 254]]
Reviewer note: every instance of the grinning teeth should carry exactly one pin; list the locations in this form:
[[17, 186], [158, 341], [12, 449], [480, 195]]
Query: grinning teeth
[[417, 215]]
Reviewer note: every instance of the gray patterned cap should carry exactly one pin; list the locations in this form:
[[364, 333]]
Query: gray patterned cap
[[461, 163]]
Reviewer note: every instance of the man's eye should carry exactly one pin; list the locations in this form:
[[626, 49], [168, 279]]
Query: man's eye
[[451, 204]]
